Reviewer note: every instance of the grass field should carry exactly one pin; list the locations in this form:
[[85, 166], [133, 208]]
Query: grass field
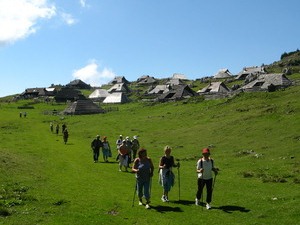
[[255, 139]]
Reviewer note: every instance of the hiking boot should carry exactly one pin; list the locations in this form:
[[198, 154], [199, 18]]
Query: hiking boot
[[163, 198], [147, 206], [208, 206], [166, 198], [196, 201]]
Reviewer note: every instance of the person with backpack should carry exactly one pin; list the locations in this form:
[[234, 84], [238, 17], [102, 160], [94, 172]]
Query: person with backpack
[[135, 146], [123, 156], [166, 176], [205, 167], [65, 136], [119, 141], [96, 145], [143, 169]]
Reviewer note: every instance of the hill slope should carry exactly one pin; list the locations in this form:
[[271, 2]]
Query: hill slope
[[254, 139]]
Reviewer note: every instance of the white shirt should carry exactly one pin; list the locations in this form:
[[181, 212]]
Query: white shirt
[[207, 169]]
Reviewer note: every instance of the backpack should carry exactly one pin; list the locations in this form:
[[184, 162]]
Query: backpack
[[201, 163]]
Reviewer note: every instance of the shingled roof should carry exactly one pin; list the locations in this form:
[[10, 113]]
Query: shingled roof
[[81, 107]]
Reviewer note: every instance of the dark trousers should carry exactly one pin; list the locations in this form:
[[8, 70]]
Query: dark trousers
[[208, 184], [96, 154]]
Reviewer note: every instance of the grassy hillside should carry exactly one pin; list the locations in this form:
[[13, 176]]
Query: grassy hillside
[[254, 138], [290, 60]]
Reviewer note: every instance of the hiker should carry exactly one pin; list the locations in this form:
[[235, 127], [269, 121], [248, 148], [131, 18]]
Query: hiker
[[66, 135], [51, 127], [106, 152], [135, 146], [63, 127], [205, 167], [123, 156], [166, 176], [24, 114], [143, 167], [21, 114], [57, 129], [129, 147], [96, 145], [118, 143]]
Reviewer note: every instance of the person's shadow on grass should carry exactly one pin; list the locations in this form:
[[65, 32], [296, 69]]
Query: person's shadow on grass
[[184, 202], [164, 209], [232, 208]]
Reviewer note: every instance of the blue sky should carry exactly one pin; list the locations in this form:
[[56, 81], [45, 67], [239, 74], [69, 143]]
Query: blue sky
[[44, 42]]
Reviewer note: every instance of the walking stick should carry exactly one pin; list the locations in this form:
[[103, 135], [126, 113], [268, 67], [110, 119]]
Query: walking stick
[[150, 188], [134, 193], [202, 187], [214, 181], [178, 166]]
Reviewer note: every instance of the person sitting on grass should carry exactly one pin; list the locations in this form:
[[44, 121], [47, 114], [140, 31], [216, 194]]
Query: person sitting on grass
[[143, 167]]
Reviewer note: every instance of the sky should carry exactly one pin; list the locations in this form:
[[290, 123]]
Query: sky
[[45, 42]]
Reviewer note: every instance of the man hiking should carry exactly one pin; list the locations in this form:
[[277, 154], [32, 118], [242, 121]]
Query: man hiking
[[96, 145]]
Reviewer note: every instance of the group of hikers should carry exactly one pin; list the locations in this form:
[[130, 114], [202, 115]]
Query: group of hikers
[[129, 151], [64, 129]]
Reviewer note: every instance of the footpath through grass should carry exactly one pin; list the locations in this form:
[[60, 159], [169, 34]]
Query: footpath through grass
[[254, 137]]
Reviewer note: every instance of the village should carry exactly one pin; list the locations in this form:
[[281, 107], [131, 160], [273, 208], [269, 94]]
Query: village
[[148, 88]]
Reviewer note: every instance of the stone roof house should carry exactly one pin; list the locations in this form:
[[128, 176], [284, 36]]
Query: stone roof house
[[268, 82]]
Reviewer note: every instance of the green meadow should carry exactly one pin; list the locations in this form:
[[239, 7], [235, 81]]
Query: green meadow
[[254, 140]]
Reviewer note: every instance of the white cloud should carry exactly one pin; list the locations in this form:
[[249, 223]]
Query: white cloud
[[18, 18], [68, 18], [83, 3], [91, 74]]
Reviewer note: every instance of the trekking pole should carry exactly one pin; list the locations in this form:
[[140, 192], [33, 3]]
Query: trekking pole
[[134, 193], [202, 187], [178, 166], [150, 186], [213, 186]]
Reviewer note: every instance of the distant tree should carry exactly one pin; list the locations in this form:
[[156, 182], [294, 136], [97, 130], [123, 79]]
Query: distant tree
[[284, 55]]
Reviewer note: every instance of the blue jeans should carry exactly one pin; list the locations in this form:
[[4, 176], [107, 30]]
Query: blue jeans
[[146, 186]]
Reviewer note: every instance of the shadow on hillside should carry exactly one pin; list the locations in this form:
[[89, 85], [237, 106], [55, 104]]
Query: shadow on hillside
[[163, 208], [184, 202], [232, 208], [109, 162]]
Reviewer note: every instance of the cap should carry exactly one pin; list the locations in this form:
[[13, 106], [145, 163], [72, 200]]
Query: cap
[[98, 136], [127, 138], [205, 150], [134, 137]]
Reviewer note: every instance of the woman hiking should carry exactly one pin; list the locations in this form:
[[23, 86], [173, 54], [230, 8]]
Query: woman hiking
[[205, 167], [143, 169], [166, 176]]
